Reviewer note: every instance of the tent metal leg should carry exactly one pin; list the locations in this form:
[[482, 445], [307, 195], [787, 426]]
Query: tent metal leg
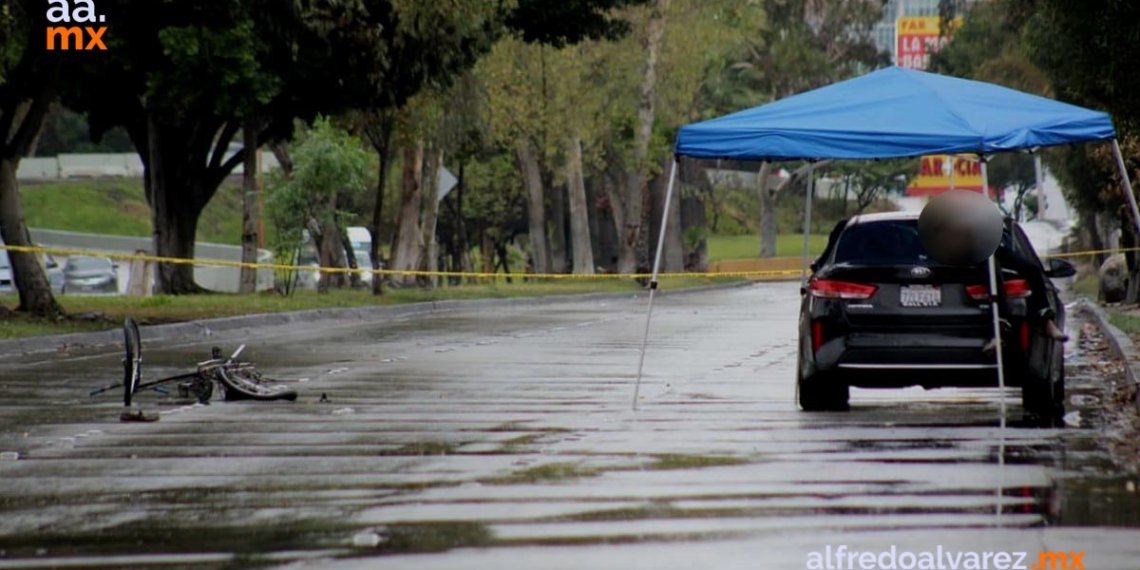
[[807, 221], [1127, 184], [1039, 171], [994, 310], [653, 279]]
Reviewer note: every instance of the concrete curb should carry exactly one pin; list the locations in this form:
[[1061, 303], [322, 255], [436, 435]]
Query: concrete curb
[[209, 327], [1121, 345]]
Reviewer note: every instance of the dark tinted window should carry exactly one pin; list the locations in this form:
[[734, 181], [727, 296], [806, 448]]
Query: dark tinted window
[[887, 242]]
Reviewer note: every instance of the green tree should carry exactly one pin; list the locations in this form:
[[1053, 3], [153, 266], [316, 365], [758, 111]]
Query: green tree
[[1089, 50], [804, 45], [65, 131], [329, 167], [182, 77], [872, 180], [535, 22]]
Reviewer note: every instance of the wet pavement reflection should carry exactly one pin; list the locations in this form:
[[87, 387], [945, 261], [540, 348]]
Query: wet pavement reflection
[[505, 438]]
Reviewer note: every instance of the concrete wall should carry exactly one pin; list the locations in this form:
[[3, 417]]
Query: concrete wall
[[223, 279], [128, 165]]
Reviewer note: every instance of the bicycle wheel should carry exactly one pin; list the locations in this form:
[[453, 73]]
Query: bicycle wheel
[[132, 361], [245, 383]]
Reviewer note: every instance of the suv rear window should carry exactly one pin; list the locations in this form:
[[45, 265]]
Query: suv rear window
[[888, 242]]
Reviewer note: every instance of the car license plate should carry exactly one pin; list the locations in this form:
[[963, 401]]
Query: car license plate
[[920, 296]]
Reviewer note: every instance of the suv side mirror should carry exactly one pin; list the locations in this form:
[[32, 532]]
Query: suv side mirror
[[1060, 269]]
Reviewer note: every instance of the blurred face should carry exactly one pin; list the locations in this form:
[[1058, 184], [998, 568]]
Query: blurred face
[[955, 241]]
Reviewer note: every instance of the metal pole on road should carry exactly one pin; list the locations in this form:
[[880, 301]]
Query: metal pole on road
[[653, 279], [994, 307], [807, 221], [1039, 172]]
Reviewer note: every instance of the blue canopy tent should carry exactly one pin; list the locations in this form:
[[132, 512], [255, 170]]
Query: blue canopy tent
[[890, 113], [894, 113]]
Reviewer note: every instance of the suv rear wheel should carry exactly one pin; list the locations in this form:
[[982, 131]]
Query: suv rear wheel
[[821, 394], [1045, 398]]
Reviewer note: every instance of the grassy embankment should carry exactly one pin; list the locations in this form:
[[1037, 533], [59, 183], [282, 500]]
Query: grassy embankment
[[118, 207]]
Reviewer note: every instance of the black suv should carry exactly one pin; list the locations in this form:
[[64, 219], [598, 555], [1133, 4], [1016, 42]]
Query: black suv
[[878, 313]]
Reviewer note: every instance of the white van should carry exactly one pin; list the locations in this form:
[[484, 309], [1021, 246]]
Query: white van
[[360, 238]]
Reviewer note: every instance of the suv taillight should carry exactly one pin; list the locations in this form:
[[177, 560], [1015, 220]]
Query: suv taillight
[[828, 289], [978, 292], [1017, 289], [1014, 289]]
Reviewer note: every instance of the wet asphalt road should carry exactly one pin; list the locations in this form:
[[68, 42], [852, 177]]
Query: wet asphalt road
[[505, 439]]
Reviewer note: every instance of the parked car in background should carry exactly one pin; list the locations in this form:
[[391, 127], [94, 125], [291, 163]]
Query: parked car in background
[[51, 269], [364, 261], [360, 238], [82, 274], [306, 257]]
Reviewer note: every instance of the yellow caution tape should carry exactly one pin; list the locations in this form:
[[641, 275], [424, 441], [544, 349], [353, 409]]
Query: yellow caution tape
[[1090, 252], [458, 274], [393, 272]]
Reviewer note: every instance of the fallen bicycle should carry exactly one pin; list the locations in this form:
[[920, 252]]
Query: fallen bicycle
[[238, 380]]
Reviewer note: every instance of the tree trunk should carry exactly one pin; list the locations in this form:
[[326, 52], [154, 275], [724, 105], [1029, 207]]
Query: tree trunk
[[354, 278], [1128, 240], [378, 130], [250, 208], [463, 245], [674, 254], [580, 244], [535, 206], [1092, 229], [558, 254], [769, 232], [28, 276], [611, 245], [487, 254], [20, 119], [34, 144], [429, 241], [330, 253], [281, 153], [634, 251], [405, 253], [177, 191], [694, 220], [174, 217], [383, 148], [846, 193]]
